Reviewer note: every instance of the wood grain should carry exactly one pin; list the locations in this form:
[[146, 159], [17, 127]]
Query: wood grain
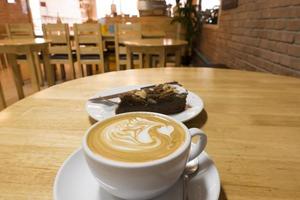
[[155, 46], [252, 121], [155, 42], [27, 47]]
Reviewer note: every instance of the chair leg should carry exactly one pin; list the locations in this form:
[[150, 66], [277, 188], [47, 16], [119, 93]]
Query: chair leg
[[62, 71], [2, 99], [11, 58], [89, 70], [147, 60], [81, 68], [118, 67], [18, 69], [38, 69], [178, 58], [106, 65], [140, 60], [94, 70], [3, 61], [53, 67], [35, 84], [72, 66], [102, 65]]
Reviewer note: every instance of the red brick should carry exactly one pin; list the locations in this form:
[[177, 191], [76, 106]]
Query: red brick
[[282, 3], [285, 60], [262, 33], [248, 66], [283, 36], [269, 55], [269, 66], [259, 35], [290, 61], [295, 11], [281, 47], [275, 24], [12, 13], [283, 12], [261, 24], [293, 25], [267, 44], [297, 38], [294, 50], [274, 46], [295, 63], [250, 23]]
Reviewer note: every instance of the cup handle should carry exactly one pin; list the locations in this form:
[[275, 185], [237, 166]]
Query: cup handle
[[197, 148]]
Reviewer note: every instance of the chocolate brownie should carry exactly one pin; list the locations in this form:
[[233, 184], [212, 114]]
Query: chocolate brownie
[[163, 98]]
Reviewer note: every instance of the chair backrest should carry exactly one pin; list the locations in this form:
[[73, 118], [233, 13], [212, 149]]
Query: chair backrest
[[3, 31], [88, 39], [127, 31], [60, 38], [163, 28], [20, 31], [123, 32]]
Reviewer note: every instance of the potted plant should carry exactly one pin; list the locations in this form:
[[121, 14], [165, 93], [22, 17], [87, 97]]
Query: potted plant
[[191, 20]]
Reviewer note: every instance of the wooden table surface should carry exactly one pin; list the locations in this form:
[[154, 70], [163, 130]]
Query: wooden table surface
[[20, 42], [252, 121], [154, 46], [155, 42], [29, 47]]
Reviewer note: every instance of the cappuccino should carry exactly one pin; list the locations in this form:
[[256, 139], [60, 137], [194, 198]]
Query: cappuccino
[[137, 137]]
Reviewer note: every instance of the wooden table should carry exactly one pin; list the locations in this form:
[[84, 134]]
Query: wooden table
[[27, 47], [252, 121], [160, 46]]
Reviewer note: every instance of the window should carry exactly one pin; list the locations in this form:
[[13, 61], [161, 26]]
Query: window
[[128, 7], [210, 10], [11, 1], [50, 11]]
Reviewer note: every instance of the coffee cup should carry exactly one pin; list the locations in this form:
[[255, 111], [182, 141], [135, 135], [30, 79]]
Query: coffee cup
[[139, 155]]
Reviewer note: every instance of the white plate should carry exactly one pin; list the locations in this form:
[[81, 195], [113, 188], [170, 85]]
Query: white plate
[[100, 111], [74, 181]]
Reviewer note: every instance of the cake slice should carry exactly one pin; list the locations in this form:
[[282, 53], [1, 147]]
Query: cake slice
[[163, 98]]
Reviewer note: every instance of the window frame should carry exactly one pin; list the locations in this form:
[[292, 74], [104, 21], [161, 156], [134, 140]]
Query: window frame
[[215, 26]]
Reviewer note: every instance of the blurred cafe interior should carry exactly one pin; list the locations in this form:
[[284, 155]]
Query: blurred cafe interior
[[257, 36], [225, 71]]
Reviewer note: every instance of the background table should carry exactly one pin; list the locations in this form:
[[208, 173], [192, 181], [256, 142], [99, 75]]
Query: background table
[[27, 47], [251, 119], [160, 46]]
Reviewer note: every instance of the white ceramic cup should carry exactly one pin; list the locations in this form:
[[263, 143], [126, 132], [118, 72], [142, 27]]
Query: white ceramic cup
[[140, 181]]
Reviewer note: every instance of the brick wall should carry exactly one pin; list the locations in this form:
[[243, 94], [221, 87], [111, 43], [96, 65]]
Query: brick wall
[[12, 13], [259, 35]]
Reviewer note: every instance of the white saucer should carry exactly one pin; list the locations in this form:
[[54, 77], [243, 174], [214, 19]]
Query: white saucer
[[100, 111], [74, 181]]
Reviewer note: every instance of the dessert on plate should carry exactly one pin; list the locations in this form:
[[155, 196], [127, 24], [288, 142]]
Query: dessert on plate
[[162, 98]]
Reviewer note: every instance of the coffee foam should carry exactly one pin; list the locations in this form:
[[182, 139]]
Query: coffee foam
[[136, 138]]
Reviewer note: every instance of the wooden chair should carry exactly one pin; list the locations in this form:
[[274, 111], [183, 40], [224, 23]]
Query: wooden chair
[[162, 29], [89, 46], [173, 31], [24, 31], [60, 47], [20, 31], [2, 99], [126, 32]]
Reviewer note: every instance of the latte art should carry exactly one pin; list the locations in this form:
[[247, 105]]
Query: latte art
[[135, 134], [136, 138]]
